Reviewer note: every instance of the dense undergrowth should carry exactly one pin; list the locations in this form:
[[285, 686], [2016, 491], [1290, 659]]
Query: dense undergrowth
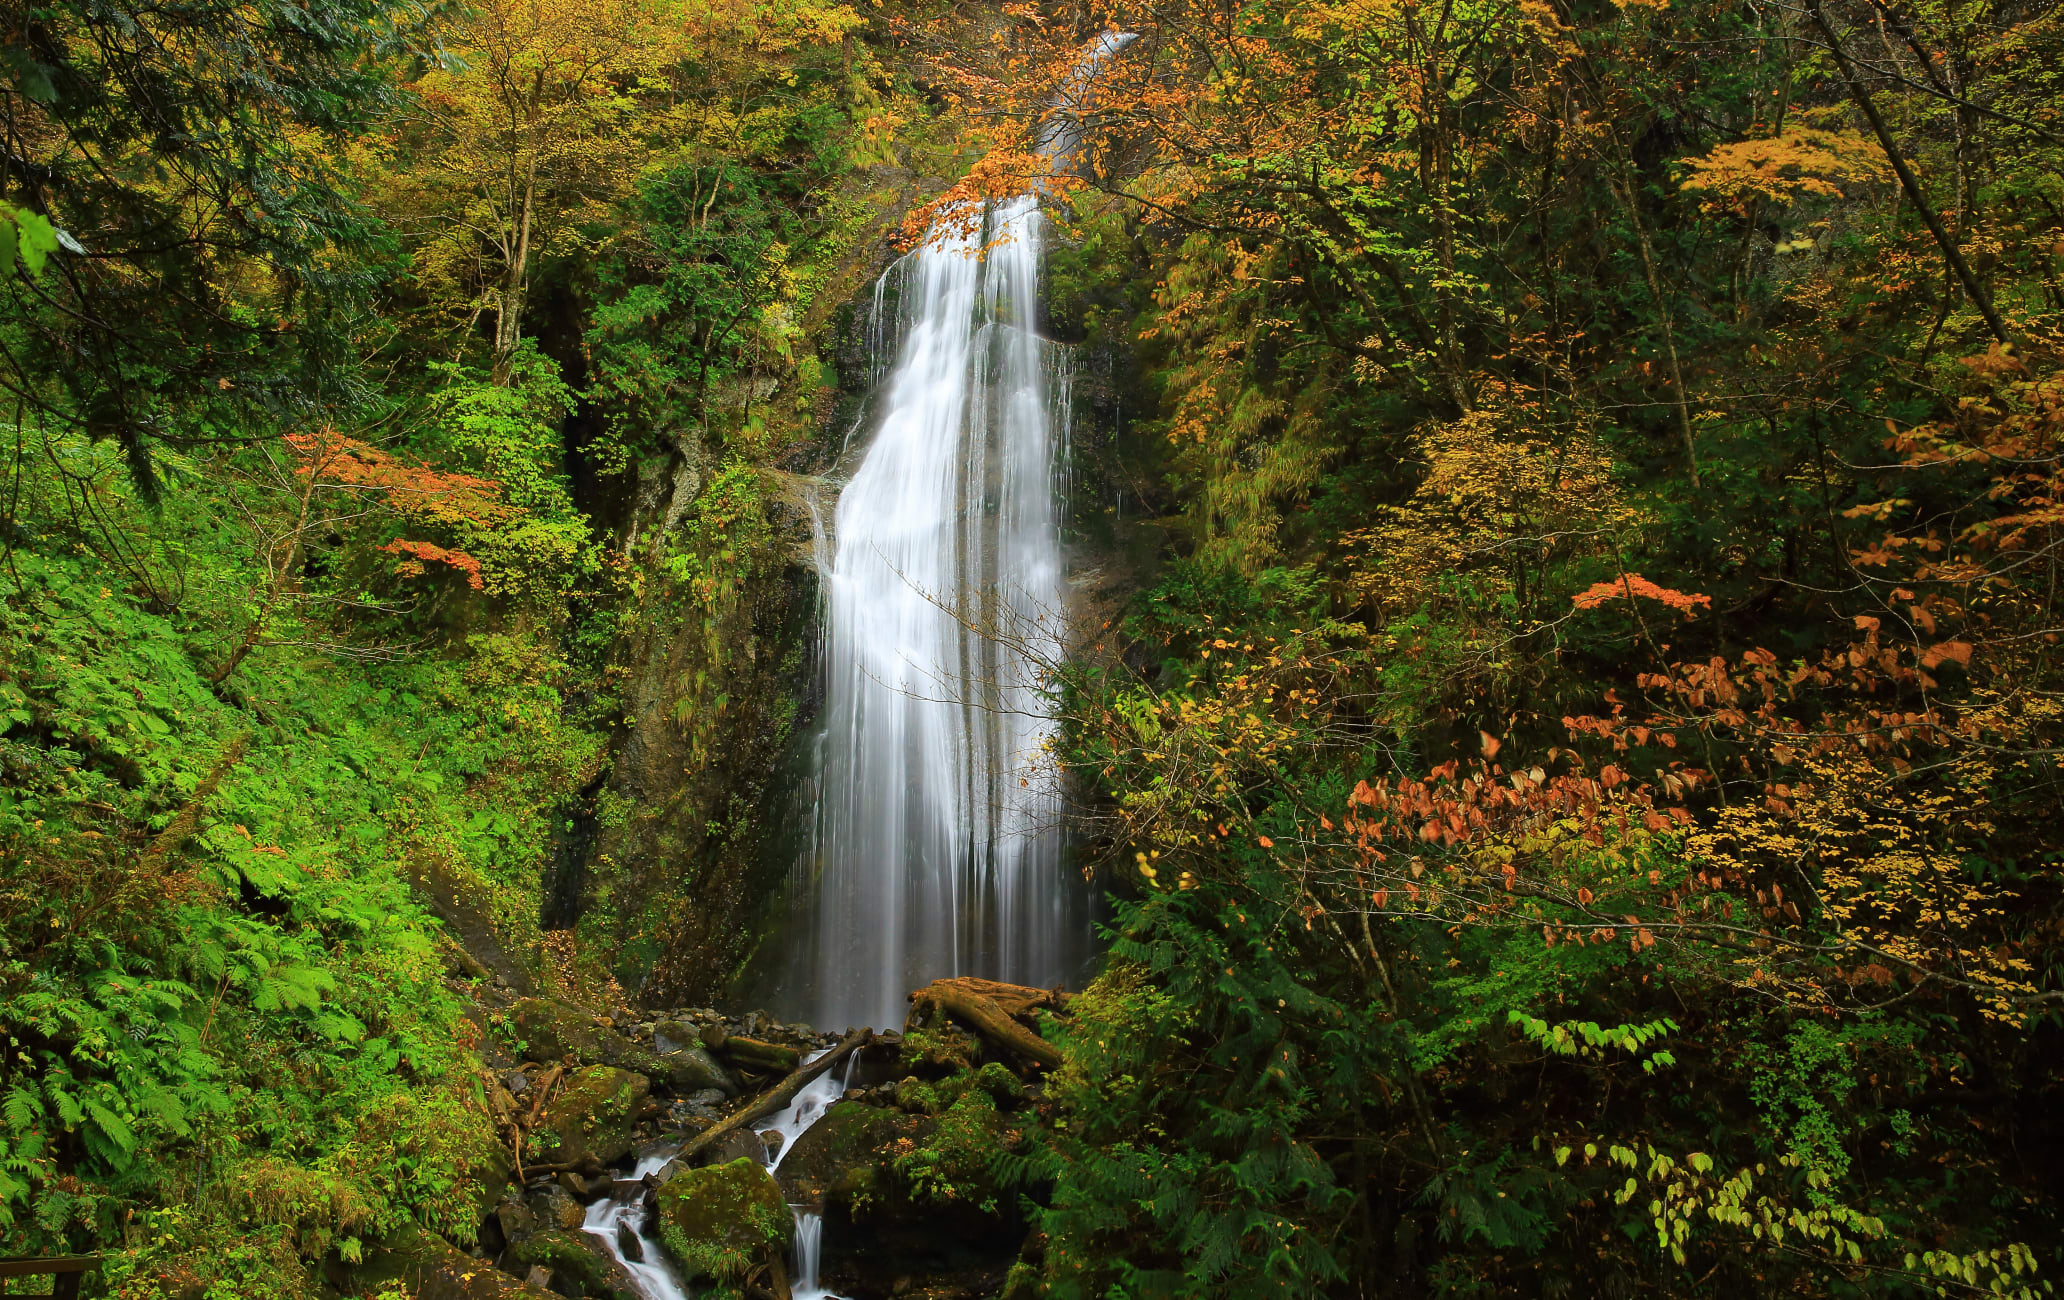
[[1587, 780], [374, 375]]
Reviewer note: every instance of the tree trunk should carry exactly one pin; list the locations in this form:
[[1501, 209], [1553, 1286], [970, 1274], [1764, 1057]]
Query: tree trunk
[[1950, 252], [509, 319], [281, 573]]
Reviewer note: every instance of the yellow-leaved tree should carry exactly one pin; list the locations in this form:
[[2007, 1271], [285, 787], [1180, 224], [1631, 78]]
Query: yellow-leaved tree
[[546, 112], [543, 113]]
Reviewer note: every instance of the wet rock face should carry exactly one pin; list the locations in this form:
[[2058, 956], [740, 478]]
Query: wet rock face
[[693, 1070], [725, 1222], [901, 1173], [844, 1155], [554, 1208], [593, 1117]]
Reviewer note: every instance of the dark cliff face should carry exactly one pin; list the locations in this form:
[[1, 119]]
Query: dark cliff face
[[679, 869], [667, 868]]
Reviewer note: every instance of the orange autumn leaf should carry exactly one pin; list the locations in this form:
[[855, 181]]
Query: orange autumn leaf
[[1632, 585]]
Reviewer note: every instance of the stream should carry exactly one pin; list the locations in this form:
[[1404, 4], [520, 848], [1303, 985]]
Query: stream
[[624, 1212]]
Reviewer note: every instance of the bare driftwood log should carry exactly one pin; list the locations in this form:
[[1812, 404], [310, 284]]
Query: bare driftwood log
[[770, 1101], [990, 1008]]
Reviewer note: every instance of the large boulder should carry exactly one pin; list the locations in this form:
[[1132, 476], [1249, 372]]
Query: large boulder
[[846, 1151], [551, 1030], [910, 1194], [430, 1268], [591, 1117], [554, 1207], [723, 1222], [738, 1144], [578, 1257], [692, 1069]]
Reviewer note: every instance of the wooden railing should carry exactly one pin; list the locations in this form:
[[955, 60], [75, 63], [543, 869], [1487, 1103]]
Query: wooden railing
[[66, 1269]]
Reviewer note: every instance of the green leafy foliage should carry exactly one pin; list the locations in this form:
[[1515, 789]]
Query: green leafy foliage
[[226, 1006]]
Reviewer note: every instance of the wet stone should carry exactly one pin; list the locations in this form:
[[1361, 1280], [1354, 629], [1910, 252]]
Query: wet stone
[[555, 1207], [515, 1219]]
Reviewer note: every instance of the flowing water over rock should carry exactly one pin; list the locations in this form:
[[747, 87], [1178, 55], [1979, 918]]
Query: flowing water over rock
[[624, 1222], [936, 837]]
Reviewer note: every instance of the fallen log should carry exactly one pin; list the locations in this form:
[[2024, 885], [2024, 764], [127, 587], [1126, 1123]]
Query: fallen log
[[966, 1001], [1017, 1000], [770, 1101], [755, 1054]]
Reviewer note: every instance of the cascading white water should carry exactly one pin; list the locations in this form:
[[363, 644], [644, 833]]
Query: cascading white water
[[936, 844], [809, 1243], [621, 1215]]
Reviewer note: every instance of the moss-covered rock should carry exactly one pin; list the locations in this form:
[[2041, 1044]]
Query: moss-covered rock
[[692, 1069], [591, 1116], [953, 1166], [431, 1268], [841, 1156], [580, 1257], [994, 1079], [724, 1221], [553, 1030], [937, 1050], [918, 1097]]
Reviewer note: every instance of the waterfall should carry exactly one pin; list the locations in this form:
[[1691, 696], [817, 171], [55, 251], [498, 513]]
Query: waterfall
[[935, 843], [935, 827]]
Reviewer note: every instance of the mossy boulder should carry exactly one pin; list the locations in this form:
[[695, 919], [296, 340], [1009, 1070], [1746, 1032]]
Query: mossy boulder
[[591, 1117], [724, 1221], [551, 1030], [996, 1080], [840, 1156], [692, 1069], [577, 1256], [431, 1268]]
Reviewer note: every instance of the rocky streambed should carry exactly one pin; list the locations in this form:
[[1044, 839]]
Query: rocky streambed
[[653, 1154]]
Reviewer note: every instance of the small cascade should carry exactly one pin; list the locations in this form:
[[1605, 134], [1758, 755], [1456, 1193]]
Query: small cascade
[[808, 1107], [809, 1240], [621, 1221]]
